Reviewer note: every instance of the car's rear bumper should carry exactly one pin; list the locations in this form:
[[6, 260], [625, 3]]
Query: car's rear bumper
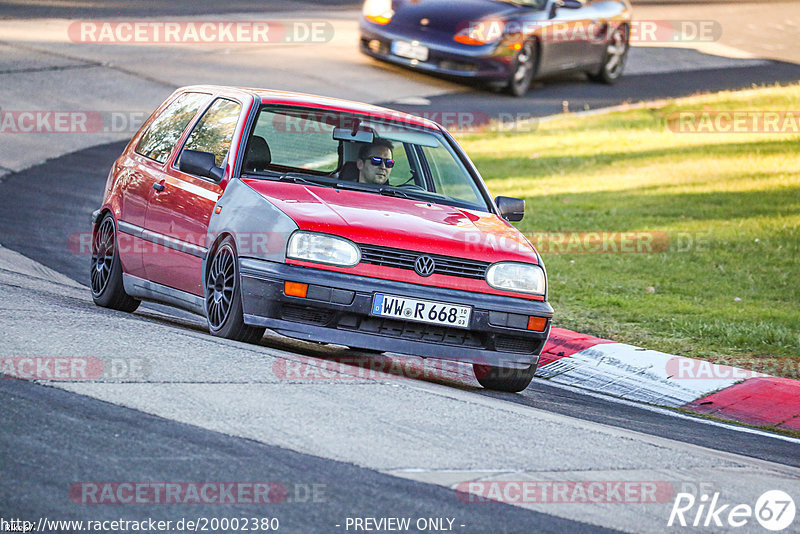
[[478, 63], [337, 309]]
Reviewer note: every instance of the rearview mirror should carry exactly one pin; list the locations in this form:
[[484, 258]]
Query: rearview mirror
[[200, 164], [510, 208], [346, 134]]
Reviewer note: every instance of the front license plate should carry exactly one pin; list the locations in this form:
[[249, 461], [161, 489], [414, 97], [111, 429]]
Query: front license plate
[[423, 311], [410, 50]]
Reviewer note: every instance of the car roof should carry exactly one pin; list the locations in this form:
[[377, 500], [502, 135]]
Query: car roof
[[269, 96]]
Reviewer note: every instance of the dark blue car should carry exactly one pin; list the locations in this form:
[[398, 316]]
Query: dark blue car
[[503, 42]]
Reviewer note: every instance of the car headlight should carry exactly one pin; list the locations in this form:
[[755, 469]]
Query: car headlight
[[518, 277], [378, 11], [323, 248]]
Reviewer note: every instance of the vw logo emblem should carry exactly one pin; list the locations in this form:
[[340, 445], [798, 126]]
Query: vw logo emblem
[[424, 266]]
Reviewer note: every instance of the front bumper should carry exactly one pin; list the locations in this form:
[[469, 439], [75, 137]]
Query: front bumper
[[477, 63], [337, 310]]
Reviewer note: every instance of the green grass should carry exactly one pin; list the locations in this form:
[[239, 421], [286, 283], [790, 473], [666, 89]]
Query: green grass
[[729, 204]]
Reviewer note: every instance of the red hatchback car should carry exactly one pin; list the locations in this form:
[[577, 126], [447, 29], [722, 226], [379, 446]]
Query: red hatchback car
[[323, 220]]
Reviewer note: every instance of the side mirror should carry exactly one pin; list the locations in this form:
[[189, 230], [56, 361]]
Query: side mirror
[[567, 4], [511, 209], [201, 164]]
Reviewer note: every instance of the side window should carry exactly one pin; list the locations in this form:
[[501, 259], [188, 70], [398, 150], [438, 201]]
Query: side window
[[401, 173], [299, 139], [214, 132], [166, 129], [447, 173]]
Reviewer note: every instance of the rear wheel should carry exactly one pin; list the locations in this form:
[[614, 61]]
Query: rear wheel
[[523, 69], [223, 297], [614, 60], [503, 378], [105, 273]]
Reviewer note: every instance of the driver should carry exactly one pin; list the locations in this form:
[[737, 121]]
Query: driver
[[375, 162]]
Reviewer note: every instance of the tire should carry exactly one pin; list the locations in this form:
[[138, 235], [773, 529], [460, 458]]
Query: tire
[[524, 67], [614, 59], [105, 272], [223, 296], [503, 378]]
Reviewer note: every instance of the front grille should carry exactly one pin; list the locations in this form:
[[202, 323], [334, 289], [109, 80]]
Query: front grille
[[518, 345], [412, 331], [458, 66], [302, 314], [403, 259]]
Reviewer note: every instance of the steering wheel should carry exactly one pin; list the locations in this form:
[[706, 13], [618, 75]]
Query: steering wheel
[[410, 184]]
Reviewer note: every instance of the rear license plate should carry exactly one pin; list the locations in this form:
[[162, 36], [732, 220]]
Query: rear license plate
[[410, 50], [423, 311]]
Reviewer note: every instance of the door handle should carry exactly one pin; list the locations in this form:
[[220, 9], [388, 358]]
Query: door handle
[[158, 186]]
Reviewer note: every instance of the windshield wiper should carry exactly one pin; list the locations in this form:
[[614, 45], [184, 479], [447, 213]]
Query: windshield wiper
[[425, 196], [411, 194], [385, 191], [301, 179]]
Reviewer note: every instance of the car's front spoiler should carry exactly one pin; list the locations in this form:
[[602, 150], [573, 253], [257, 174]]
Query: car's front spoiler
[[484, 66], [337, 310]]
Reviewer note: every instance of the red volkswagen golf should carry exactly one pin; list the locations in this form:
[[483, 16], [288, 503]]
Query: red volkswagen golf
[[323, 220]]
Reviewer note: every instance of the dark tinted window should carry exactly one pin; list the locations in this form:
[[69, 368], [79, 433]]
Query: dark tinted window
[[166, 129], [300, 139], [214, 132]]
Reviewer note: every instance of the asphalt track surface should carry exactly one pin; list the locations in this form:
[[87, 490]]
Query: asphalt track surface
[[107, 442], [51, 438]]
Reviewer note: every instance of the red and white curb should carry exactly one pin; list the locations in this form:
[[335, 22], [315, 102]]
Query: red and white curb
[[662, 379]]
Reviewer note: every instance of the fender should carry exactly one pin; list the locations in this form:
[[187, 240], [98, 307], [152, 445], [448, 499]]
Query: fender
[[259, 229]]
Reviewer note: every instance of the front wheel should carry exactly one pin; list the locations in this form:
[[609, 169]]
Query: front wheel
[[523, 69], [223, 297], [614, 59], [503, 378], [105, 273]]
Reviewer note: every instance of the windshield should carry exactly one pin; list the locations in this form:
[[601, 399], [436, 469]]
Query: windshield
[[361, 152]]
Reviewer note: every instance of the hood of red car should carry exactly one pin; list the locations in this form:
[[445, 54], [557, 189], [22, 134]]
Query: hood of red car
[[373, 219]]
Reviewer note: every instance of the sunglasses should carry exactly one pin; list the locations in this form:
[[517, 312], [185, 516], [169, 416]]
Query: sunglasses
[[375, 160]]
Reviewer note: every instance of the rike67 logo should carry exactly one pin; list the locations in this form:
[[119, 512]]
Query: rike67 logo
[[774, 510]]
